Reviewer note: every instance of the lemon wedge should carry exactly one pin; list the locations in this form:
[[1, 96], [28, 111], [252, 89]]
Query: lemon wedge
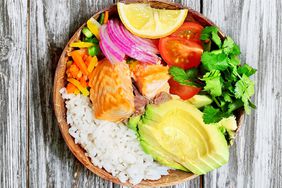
[[147, 22]]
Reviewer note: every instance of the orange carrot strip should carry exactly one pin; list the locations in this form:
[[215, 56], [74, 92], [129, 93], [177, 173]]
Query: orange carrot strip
[[83, 51], [71, 88], [73, 70], [84, 57], [79, 61], [88, 60], [79, 74], [106, 18], [83, 82], [92, 64], [82, 89]]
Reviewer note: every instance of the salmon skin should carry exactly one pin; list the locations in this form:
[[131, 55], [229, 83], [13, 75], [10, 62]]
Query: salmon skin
[[111, 91]]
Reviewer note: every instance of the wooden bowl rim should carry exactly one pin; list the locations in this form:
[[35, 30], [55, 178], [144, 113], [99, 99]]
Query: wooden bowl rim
[[175, 176]]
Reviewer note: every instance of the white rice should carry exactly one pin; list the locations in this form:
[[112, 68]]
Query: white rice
[[111, 146]]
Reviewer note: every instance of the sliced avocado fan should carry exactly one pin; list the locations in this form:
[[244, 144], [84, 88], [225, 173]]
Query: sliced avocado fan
[[174, 134]]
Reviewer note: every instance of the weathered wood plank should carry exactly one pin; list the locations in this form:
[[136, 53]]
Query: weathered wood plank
[[13, 96], [51, 163], [255, 159]]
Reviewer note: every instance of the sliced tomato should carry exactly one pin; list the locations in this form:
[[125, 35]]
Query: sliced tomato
[[180, 52], [183, 91], [190, 31]]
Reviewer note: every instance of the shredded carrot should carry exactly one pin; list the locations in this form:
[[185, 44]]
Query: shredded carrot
[[83, 51], [83, 82], [73, 70], [84, 57], [79, 74], [79, 61], [82, 89], [71, 88], [106, 18], [88, 60], [92, 64]]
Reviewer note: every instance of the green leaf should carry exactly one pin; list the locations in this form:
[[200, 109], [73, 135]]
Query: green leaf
[[211, 33], [213, 83], [192, 73], [244, 89], [212, 115], [213, 61], [182, 77], [230, 47], [247, 70], [234, 60]]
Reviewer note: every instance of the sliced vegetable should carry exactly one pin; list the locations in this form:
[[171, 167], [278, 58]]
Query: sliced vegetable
[[77, 84], [81, 44], [92, 40], [180, 52], [94, 50], [92, 63], [82, 51], [94, 27], [190, 31], [73, 70], [183, 91], [106, 17], [139, 49], [87, 32], [102, 18], [110, 50], [79, 61], [72, 89]]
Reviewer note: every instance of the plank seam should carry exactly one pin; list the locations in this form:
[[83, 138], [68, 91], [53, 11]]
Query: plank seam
[[27, 91]]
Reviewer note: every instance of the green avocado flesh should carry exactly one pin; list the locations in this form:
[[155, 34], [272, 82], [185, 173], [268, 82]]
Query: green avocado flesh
[[200, 100], [175, 135]]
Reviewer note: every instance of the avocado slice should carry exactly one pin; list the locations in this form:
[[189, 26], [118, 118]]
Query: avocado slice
[[132, 123], [175, 135], [230, 126], [200, 100]]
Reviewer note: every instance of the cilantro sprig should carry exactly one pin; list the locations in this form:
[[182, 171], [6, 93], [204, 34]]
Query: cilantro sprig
[[225, 79]]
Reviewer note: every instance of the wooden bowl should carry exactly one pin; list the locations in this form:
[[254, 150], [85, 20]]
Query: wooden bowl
[[175, 176]]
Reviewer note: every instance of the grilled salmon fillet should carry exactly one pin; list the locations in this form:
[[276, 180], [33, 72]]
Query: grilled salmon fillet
[[111, 91], [150, 79]]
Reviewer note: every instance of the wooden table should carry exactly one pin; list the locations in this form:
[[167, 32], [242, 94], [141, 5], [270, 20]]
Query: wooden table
[[32, 36]]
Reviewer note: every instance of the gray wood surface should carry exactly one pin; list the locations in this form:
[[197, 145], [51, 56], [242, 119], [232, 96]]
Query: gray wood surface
[[32, 36]]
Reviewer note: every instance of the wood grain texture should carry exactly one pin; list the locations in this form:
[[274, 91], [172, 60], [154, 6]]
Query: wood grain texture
[[50, 162], [13, 97], [255, 159]]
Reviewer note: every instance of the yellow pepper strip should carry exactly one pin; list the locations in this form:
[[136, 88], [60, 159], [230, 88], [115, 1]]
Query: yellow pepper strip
[[106, 18], [81, 44], [92, 64], [94, 27], [75, 82]]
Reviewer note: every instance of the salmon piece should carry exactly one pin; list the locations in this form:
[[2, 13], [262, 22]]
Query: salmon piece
[[150, 79], [111, 91]]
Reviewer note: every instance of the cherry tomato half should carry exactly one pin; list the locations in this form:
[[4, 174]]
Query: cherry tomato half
[[180, 52], [183, 91], [190, 31]]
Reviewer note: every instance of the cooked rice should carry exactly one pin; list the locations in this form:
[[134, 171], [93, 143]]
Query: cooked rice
[[111, 146]]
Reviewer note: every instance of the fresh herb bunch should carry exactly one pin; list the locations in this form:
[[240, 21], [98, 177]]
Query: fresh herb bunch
[[222, 77]]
